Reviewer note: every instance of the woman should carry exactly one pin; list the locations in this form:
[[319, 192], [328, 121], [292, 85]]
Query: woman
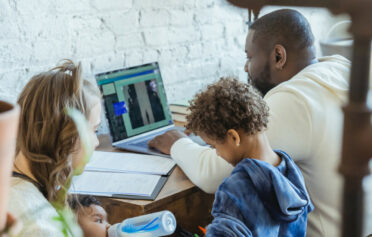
[[48, 147]]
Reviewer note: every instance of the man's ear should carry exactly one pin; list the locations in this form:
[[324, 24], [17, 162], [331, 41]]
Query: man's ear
[[279, 56], [233, 137]]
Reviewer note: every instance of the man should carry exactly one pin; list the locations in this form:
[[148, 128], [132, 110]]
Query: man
[[305, 96]]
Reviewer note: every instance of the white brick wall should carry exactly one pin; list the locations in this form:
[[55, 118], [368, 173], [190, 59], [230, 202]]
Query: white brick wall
[[194, 41]]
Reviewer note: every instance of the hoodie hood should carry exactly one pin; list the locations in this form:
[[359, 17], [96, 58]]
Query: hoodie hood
[[281, 189], [329, 73], [336, 69]]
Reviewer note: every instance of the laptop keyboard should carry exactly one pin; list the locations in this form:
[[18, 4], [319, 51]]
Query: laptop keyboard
[[142, 143]]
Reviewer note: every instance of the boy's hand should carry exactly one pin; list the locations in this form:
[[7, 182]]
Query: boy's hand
[[164, 142]]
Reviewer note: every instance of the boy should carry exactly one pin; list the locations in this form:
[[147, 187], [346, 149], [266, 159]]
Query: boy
[[91, 217], [265, 195]]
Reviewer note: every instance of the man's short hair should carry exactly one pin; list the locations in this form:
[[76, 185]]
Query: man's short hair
[[286, 27]]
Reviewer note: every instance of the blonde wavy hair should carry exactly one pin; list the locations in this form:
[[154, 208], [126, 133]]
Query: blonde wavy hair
[[47, 136]]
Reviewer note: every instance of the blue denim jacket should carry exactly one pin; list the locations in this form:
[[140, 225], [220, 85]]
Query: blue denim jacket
[[258, 199]]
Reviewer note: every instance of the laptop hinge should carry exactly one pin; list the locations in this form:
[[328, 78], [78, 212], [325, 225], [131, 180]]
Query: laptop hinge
[[146, 134]]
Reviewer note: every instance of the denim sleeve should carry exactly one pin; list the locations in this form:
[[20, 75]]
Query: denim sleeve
[[228, 220]]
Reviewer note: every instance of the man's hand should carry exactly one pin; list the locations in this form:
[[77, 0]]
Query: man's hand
[[164, 142]]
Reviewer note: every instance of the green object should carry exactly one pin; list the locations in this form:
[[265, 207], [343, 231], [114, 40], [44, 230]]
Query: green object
[[86, 142], [196, 235]]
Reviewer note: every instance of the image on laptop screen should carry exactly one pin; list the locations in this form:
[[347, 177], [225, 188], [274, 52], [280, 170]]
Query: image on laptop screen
[[135, 100]]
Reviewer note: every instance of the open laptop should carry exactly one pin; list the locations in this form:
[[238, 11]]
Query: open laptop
[[136, 107]]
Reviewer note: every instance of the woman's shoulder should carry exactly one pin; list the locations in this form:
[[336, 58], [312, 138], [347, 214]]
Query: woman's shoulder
[[29, 206], [25, 196]]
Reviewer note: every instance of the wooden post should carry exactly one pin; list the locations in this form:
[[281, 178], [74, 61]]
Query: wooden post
[[357, 134]]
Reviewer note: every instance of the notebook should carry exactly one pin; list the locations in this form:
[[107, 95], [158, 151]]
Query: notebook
[[121, 162], [136, 107], [118, 185]]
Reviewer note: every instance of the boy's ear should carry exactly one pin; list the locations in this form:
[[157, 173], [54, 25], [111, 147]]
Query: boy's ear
[[233, 136]]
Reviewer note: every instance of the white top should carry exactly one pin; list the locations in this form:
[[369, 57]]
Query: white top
[[306, 122], [34, 211]]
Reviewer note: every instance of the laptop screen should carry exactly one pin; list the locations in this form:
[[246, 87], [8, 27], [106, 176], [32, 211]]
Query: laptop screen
[[135, 100]]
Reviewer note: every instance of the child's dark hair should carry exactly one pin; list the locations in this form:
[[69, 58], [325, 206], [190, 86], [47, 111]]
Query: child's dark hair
[[77, 202], [227, 104]]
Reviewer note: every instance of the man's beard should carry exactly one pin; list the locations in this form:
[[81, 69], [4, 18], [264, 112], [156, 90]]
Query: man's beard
[[263, 81]]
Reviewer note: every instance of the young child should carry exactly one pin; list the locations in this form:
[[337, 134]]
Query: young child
[[265, 195], [91, 216]]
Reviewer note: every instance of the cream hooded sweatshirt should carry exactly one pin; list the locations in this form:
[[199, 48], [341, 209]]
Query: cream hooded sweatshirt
[[305, 121]]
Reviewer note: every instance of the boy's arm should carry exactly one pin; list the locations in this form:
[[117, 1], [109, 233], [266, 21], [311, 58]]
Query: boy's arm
[[201, 164], [227, 218]]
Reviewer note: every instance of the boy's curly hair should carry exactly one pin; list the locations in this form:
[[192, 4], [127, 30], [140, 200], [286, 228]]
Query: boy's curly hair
[[227, 104]]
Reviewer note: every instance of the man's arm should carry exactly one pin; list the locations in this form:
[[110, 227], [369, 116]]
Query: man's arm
[[201, 164]]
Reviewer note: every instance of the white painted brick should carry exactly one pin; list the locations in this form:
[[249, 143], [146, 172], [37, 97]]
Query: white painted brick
[[164, 4], [11, 83], [183, 34], [72, 6], [94, 45], [121, 23], [236, 29], [81, 25], [213, 48], [181, 17], [150, 55], [34, 8], [111, 5], [156, 36], [45, 51], [106, 62], [133, 57], [128, 41], [14, 55], [218, 14], [5, 10], [174, 54], [205, 3], [157, 17], [215, 31], [233, 66], [194, 41], [194, 50]]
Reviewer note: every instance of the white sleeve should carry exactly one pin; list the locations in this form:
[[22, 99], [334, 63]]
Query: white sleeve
[[290, 124], [201, 164]]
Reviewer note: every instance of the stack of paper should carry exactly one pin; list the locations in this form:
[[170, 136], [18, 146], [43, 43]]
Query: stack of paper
[[123, 175]]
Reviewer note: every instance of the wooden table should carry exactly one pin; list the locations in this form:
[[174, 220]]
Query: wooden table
[[190, 205]]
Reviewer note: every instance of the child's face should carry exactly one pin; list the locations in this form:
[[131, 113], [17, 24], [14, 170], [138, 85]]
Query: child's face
[[94, 122], [227, 149], [93, 221]]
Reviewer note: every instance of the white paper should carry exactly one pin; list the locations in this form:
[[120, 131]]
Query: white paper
[[129, 162], [109, 184]]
